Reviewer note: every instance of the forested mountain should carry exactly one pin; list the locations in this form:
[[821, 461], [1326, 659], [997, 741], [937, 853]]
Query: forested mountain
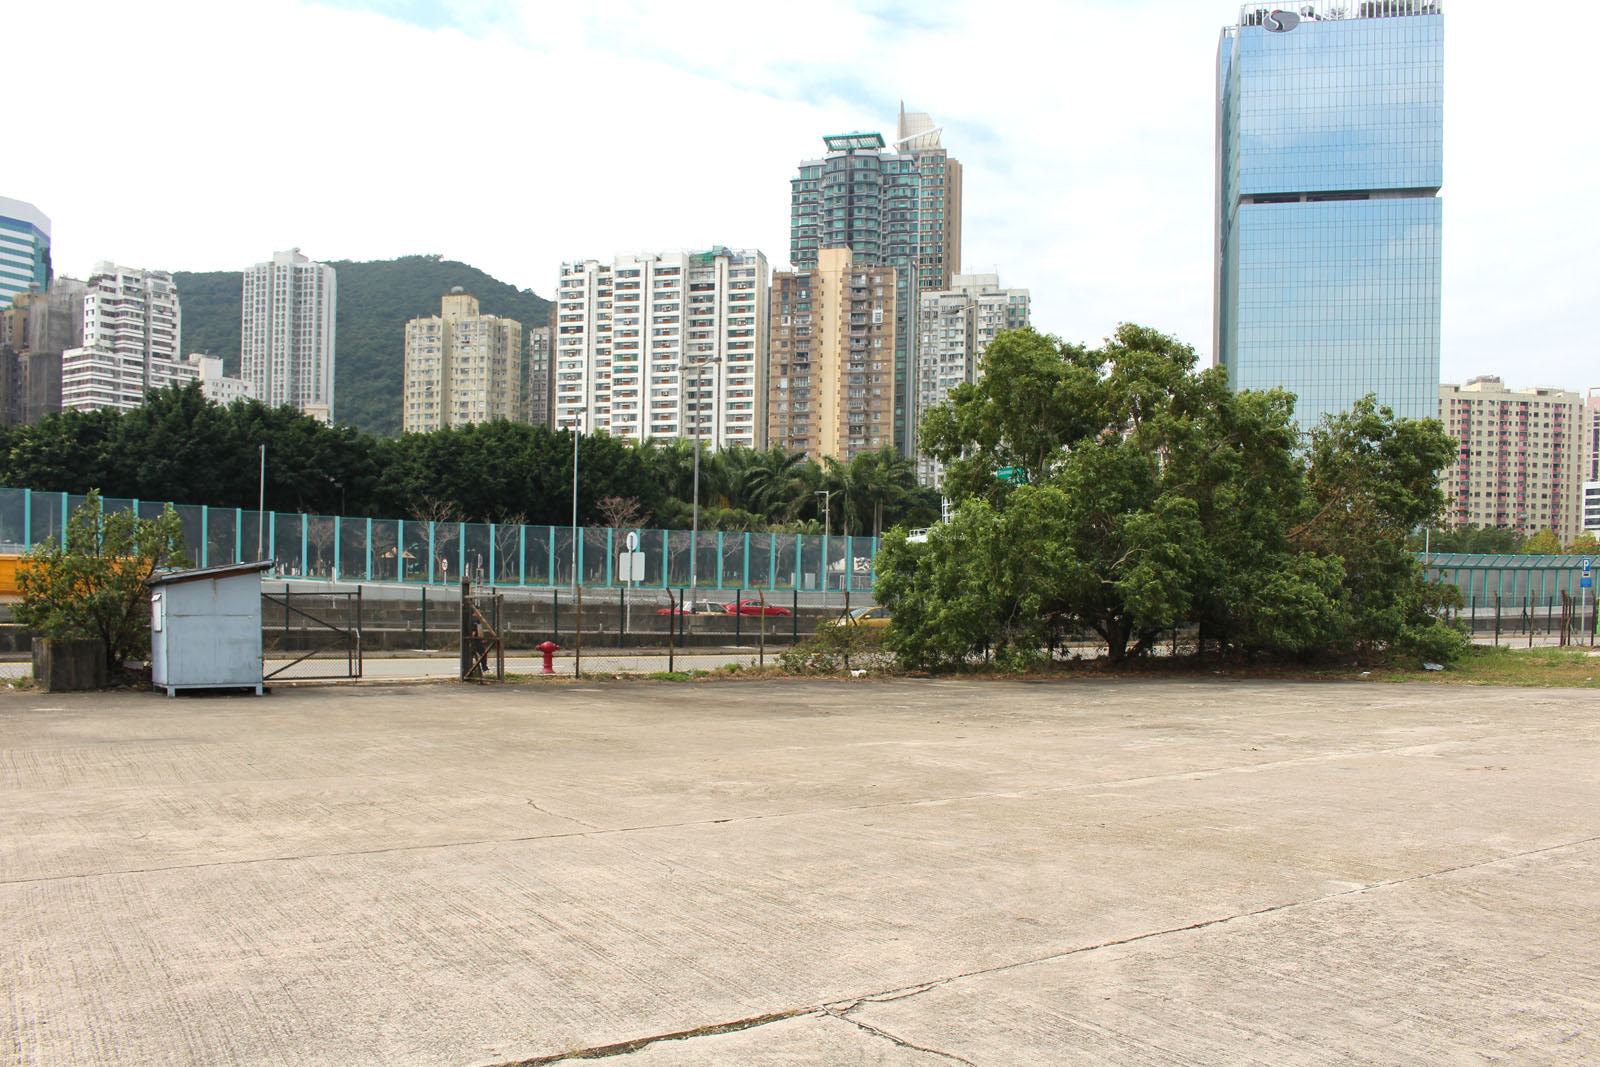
[[375, 300]]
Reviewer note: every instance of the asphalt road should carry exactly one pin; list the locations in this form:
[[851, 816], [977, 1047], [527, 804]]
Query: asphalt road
[[907, 873]]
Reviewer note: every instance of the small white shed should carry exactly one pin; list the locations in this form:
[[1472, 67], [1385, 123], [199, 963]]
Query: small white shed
[[205, 628]]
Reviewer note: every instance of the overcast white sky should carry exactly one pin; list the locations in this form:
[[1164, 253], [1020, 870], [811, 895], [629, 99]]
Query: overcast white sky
[[203, 135]]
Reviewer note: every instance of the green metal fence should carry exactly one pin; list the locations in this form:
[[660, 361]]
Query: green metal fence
[[1539, 580], [341, 548]]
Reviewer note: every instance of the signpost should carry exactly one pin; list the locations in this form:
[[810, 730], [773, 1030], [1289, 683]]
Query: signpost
[[1586, 582], [630, 568]]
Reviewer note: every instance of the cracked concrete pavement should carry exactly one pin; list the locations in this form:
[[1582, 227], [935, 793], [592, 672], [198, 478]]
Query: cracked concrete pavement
[[907, 873]]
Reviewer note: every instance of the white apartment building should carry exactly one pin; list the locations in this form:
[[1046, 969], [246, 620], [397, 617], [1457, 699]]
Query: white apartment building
[[1518, 467], [131, 330], [461, 367], [1589, 520], [218, 387], [954, 328], [287, 344], [663, 346]]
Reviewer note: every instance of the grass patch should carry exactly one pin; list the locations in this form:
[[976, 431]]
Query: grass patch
[[1487, 665]]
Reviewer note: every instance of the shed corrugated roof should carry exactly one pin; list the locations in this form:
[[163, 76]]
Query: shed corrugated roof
[[226, 570]]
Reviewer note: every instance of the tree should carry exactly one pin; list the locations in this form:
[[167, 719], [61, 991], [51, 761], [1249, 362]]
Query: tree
[[1155, 497], [1543, 543], [98, 585], [1584, 544]]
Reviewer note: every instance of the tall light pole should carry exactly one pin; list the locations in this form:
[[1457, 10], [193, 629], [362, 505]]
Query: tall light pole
[[827, 527], [577, 428], [698, 366]]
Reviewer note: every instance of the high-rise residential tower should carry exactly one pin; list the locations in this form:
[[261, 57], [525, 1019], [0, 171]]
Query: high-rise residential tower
[[539, 368], [24, 249], [34, 332], [663, 346], [461, 367], [1519, 463], [893, 205], [1329, 161], [287, 342], [830, 377], [954, 328], [131, 333]]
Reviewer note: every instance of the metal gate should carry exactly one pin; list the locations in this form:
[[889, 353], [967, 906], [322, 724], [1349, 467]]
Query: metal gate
[[311, 635]]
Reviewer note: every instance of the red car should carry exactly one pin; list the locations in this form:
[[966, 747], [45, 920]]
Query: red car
[[755, 607]]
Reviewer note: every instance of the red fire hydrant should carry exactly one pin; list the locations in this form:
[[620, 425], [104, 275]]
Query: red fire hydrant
[[549, 648]]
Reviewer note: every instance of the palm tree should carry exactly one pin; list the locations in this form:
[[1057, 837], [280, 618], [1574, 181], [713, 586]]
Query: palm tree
[[775, 478], [885, 478]]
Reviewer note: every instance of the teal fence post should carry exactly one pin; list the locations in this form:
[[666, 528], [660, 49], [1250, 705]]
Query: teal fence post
[[666, 561], [205, 534], [522, 554], [430, 550], [305, 556], [338, 547], [611, 555], [65, 515], [369, 550], [745, 579], [27, 517], [238, 535], [461, 551], [271, 519], [550, 540], [772, 561]]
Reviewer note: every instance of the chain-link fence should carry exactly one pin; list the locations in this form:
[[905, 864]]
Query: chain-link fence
[[574, 632], [310, 635]]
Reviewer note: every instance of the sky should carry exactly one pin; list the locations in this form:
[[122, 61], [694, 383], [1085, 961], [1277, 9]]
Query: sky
[[514, 135]]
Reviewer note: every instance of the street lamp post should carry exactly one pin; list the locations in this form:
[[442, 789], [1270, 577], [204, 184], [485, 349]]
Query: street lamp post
[[827, 528], [698, 366], [577, 428]]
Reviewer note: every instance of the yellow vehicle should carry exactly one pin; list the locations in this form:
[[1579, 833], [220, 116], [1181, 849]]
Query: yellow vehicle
[[873, 617]]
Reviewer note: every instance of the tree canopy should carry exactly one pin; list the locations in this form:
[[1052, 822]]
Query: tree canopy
[[180, 447], [1153, 497]]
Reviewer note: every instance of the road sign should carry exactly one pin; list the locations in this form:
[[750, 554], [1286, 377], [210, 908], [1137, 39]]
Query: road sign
[[630, 566], [1586, 582], [1586, 564], [632, 540], [1014, 475]]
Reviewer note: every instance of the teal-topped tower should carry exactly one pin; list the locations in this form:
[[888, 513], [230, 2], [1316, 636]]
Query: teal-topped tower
[[24, 249]]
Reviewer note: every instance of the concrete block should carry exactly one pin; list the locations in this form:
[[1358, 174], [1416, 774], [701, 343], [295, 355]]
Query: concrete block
[[64, 666]]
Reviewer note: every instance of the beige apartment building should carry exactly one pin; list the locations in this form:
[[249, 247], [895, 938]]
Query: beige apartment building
[[1519, 464], [462, 367], [831, 380]]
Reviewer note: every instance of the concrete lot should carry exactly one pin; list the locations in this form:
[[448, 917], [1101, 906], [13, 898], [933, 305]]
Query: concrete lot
[[909, 873]]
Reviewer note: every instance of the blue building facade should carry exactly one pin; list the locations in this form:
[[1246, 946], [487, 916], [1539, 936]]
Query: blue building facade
[[24, 249], [1328, 227]]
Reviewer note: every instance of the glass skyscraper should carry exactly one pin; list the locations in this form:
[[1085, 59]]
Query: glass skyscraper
[[24, 249], [1329, 163]]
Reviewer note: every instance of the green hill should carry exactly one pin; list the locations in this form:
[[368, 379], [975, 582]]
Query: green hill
[[375, 300]]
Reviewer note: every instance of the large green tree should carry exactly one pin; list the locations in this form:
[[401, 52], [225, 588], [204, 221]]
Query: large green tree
[[1152, 496]]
